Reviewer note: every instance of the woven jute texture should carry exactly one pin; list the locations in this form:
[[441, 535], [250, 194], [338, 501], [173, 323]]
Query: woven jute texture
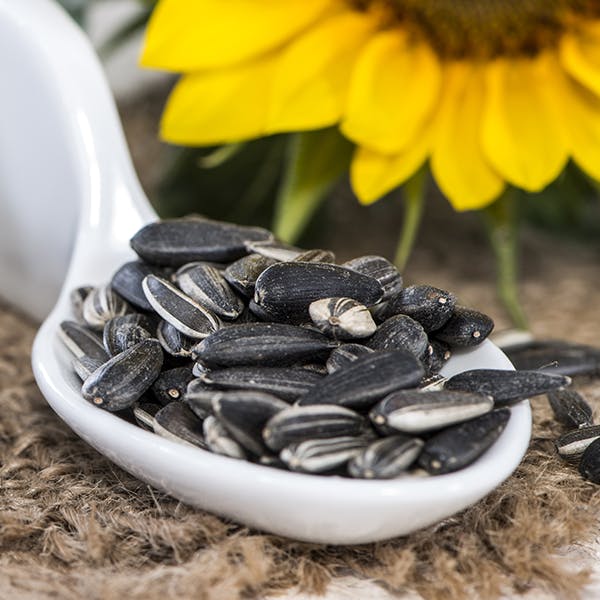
[[72, 525]]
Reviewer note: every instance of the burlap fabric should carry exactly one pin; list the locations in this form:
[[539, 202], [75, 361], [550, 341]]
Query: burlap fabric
[[72, 525]]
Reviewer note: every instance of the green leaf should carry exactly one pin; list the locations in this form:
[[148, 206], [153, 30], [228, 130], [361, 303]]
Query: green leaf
[[220, 156], [316, 160]]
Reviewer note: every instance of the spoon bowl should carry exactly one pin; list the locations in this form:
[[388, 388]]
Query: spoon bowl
[[111, 208]]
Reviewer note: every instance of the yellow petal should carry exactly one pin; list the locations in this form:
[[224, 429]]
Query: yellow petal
[[215, 107], [457, 161], [522, 132], [394, 88], [311, 83], [190, 35], [580, 55], [373, 174]]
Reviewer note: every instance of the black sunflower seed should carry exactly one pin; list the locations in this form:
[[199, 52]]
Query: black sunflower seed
[[172, 384], [465, 327], [589, 466], [127, 282], [344, 355], [381, 269], [178, 423], [570, 408], [573, 444], [80, 341], [400, 333], [243, 273]]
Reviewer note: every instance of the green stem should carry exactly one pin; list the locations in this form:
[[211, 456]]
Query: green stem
[[502, 224], [414, 190]]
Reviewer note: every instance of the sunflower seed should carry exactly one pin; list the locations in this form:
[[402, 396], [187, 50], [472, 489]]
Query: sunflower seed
[[80, 341], [429, 306], [320, 455], [77, 298], [400, 333], [176, 242], [144, 413], [245, 414], [286, 290], [506, 387], [285, 383], [267, 344], [178, 309], [173, 341], [414, 411], [367, 380], [127, 282], [199, 397], [435, 357], [345, 355], [589, 466], [172, 384], [315, 256], [84, 366], [570, 408], [460, 445], [277, 251], [381, 269], [243, 273], [465, 328], [299, 423], [178, 423], [386, 458], [573, 444], [207, 286], [121, 333], [118, 383], [342, 318], [199, 369], [219, 441], [101, 305]]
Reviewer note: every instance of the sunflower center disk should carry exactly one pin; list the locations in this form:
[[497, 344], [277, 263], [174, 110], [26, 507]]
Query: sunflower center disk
[[484, 28]]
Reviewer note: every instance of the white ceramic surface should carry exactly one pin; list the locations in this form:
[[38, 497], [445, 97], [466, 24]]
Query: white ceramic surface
[[112, 207]]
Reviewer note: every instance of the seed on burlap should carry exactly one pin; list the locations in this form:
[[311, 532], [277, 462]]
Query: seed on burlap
[[286, 290], [287, 383], [207, 286], [178, 423], [77, 298], [415, 411], [299, 423], [243, 273], [121, 333], [81, 342], [118, 383], [186, 315], [268, 344], [342, 318], [386, 458], [460, 445], [173, 341], [506, 387], [465, 327], [101, 305], [172, 384], [127, 282], [274, 250], [381, 269], [589, 466], [321, 455], [572, 444], [316, 256], [176, 242], [345, 355], [429, 306], [570, 408], [400, 333], [144, 413], [368, 379], [219, 441], [84, 366], [245, 414]]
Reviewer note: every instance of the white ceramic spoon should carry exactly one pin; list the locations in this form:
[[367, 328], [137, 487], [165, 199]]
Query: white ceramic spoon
[[112, 207]]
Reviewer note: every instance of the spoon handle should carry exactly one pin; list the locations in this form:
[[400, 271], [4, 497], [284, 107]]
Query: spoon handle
[[67, 184]]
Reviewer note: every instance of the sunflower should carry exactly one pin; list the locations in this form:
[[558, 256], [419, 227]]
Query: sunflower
[[490, 92]]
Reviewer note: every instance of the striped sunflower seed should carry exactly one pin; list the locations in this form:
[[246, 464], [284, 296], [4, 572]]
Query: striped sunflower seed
[[127, 282], [465, 327], [144, 413], [381, 269], [572, 445], [570, 408], [243, 273], [173, 341], [121, 333], [85, 366], [460, 445], [414, 411], [172, 385], [199, 397], [345, 355], [400, 333], [178, 423], [277, 251], [81, 342], [183, 313], [316, 256], [386, 458], [219, 441], [101, 305], [342, 318], [77, 298], [589, 466], [118, 383]]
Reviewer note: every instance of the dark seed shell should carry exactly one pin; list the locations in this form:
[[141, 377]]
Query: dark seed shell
[[174, 342], [344, 355], [570, 408], [381, 269], [80, 341], [589, 466], [101, 305], [172, 384], [262, 344], [121, 333], [465, 327], [286, 290], [127, 282], [199, 397], [506, 387], [85, 366], [178, 423], [176, 242], [366, 380], [118, 383], [400, 333], [300, 423], [573, 444], [460, 445], [243, 273]]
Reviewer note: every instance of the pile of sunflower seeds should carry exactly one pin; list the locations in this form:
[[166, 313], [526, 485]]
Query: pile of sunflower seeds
[[223, 338]]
